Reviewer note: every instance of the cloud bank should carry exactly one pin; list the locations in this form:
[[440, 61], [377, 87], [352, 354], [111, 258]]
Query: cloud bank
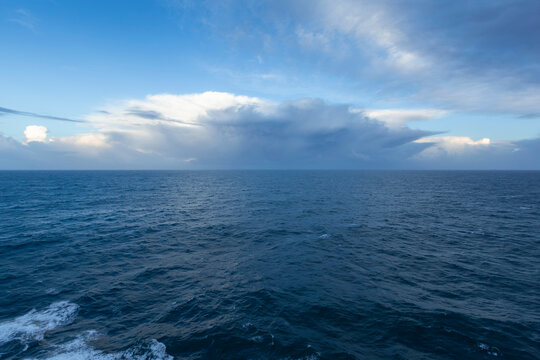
[[215, 130]]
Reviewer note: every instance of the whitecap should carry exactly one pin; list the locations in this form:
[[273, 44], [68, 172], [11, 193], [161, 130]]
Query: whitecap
[[34, 324], [324, 236], [315, 356], [490, 350], [79, 349]]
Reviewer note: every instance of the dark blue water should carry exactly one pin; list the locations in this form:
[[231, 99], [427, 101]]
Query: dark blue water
[[270, 265]]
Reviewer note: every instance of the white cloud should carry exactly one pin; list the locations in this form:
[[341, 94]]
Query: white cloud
[[172, 110], [451, 145], [400, 117], [35, 133], [94, 140], [368, 23]]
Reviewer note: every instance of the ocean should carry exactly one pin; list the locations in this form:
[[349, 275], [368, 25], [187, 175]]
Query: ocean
[[269, 265]]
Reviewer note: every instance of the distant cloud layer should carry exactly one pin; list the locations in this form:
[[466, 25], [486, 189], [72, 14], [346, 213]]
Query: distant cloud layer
[[223, 130]]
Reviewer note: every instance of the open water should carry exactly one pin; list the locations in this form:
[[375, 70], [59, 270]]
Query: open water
[[269, 265]]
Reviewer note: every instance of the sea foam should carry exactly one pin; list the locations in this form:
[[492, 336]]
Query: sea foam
[[79, 349], [34, 324]]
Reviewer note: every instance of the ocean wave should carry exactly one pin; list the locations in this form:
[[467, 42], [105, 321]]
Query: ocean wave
[[79, 349], [34, 324]]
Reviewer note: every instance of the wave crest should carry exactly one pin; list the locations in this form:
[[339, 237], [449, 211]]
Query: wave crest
[[34, 324], [79, 349]]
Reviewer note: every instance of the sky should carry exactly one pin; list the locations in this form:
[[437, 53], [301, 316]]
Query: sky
[[298, 84]]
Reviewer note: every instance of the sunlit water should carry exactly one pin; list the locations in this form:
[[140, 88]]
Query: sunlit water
[[270, 265]]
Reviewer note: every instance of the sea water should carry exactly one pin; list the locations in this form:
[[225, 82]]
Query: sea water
[[269, 265]]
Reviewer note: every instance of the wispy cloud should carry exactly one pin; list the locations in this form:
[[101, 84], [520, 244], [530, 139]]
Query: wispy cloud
[[24, 18], [401, 117], [476, 56], [4, 111], [369, 23]]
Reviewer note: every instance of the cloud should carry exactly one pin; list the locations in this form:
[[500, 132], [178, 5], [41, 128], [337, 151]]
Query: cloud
[[476, 56], [95, 140], [35, 133], [172, 110], [480, 57], [451, 145], [223, 130], [400, 117], [487, 94], [372, 24], [215, 130], [24, 18], [483, 154], [6, 111]]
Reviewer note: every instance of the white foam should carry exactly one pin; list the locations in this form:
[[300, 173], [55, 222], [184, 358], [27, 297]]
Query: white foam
[[490, 350], [315, 356], [34, 324], [79, 349]]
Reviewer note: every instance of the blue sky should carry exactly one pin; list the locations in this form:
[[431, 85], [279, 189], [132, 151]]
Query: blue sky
[[269, 84]]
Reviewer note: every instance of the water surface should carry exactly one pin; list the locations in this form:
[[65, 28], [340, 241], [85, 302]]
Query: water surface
[[269, 265]]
